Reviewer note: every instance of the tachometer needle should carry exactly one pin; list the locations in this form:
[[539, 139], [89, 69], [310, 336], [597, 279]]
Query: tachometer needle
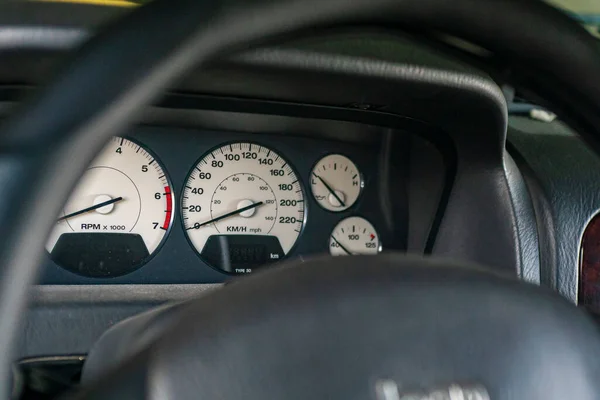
[[330, 189], [92, 208], [229, 214], [341, 245]]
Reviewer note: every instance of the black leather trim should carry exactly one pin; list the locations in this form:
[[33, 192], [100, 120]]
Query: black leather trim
[[527, 228], [564, 174], [546, 229]]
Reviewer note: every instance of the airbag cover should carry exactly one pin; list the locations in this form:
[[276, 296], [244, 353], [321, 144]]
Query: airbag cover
[[338, 327]]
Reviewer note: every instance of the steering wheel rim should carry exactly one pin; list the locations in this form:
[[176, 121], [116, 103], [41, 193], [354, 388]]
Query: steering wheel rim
[[47, 149]]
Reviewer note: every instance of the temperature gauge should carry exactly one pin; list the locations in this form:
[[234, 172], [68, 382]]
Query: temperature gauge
[[354, 236], [336, 183]]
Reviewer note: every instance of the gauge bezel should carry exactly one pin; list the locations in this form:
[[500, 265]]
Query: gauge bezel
[[360, 175], [167, 231], [191, 171], [379, 248]]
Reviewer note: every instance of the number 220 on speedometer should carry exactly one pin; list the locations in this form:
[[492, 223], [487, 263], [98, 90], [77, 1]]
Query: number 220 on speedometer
[[242, 207]]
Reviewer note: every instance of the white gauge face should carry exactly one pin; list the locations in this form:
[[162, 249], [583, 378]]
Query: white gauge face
[[336, 183], [242, 207], [118, 215], [354, 236]]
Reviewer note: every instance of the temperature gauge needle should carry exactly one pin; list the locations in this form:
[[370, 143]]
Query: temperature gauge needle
[[341, 245], [92, 208], [229, 214], [330, 189]]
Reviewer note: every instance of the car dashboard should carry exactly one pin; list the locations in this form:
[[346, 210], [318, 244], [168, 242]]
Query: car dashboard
[[348, 142], [163, 200]]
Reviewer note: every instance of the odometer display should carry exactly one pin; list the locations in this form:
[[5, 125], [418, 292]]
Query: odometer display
[[242, 207]]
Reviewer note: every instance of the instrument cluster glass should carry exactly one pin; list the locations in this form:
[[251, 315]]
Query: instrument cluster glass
[[243, 205]]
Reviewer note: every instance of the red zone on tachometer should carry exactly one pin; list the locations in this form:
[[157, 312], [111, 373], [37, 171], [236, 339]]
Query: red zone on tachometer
[[169, 208]]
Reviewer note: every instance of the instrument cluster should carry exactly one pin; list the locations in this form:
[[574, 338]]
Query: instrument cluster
[[242, 205]]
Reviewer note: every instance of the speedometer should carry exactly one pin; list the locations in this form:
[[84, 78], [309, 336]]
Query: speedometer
[[242, 207]]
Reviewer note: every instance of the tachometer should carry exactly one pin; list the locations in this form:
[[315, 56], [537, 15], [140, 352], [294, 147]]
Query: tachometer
[[242, 207], [118, 215]]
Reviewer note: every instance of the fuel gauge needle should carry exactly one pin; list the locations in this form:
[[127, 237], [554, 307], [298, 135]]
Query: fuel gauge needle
[[341, 245], [330, 189], [92, 208]]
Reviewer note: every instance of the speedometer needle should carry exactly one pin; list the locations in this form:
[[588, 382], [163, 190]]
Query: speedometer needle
[[330, 190], [229, 214], [92, 208]]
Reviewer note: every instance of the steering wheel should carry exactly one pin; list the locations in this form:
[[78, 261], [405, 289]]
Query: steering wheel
[[402, 326]]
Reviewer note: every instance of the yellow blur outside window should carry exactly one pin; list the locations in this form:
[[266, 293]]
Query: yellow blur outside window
[[110, 3]]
